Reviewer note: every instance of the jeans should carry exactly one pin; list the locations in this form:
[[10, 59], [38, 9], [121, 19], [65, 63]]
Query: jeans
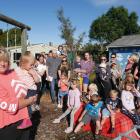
[[53, 89], [30, 93], [61, 94]]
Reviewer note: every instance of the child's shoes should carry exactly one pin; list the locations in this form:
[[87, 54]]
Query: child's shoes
[[37, 107], [56, 121], [33, 108], [59, 106], [68, 130], [25, 124]]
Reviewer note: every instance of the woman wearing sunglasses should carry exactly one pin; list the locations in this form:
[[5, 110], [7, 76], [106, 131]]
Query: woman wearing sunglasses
[[64, 68], [103, 77]]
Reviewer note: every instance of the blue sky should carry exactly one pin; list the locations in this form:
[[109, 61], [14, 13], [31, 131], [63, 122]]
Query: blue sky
[[41, 15]]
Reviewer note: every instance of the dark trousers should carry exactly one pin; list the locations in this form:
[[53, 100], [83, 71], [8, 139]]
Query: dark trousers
[[12, 133], [134, 117], [31, 93]]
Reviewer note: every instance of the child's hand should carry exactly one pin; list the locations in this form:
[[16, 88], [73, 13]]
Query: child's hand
[[69, 107], [32, 99], [32, 72], [80, 119], [112, 113]]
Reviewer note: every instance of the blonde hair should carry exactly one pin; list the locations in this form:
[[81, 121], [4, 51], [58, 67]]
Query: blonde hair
[[134, 57], [93, 87], [4, 56], [113, 92], [75, 82], [26, 58]]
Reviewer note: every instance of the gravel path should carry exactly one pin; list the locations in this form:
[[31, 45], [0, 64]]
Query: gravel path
[[46, 130]]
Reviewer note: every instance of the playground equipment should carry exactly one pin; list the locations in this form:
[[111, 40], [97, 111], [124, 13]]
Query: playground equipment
[[20, 25]]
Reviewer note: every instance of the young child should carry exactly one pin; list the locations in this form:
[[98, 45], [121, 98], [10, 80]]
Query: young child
[[92, 90], [73, 104], [127, 98], [91, 113], [29, 77], [111, 108], [103, 71], [115, 74], [77, 65], [63, 85]]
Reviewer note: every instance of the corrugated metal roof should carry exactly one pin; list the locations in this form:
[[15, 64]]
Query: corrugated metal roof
[[126, 41]]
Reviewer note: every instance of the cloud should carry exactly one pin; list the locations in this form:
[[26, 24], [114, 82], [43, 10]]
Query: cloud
[[106, 2]]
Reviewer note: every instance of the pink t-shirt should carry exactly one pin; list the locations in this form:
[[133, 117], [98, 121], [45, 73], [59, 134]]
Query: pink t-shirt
[[10, 90], [62, 86]]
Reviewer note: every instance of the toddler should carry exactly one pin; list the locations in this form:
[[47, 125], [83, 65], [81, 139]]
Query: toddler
[[111, 108], [29, 77]]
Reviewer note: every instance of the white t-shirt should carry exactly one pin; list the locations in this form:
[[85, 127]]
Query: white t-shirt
[[127, 100], [41, 68]]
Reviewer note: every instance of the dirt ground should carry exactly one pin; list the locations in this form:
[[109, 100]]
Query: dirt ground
[[46, 130]]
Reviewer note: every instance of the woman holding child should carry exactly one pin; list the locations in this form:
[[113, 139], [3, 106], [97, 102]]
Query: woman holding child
[[86, 69], [13, 105]]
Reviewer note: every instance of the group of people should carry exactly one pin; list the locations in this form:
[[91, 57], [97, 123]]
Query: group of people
[[109, 93], [103, 96]]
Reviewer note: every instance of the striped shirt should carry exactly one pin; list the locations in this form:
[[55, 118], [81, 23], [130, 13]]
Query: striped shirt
[[26, 78]]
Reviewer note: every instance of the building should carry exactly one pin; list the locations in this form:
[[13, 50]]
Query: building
[[15, 52], [124, 47]]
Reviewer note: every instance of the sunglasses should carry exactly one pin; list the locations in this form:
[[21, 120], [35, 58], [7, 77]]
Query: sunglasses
[[103, 59], [113, 57]]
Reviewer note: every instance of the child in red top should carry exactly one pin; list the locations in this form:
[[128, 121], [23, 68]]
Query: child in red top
[[63, 91], [13, 107]]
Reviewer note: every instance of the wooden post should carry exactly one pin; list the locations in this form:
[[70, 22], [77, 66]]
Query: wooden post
[[24, 40]]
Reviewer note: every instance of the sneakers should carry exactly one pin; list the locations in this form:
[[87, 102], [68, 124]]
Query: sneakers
[[56, 121], [68, 130], [33, 108], [59, 106], [25, 124], [37, 107]]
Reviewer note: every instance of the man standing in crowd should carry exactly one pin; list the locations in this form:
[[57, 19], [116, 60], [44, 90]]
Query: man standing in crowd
[[53, 62]]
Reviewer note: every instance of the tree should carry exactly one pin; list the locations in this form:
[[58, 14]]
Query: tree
[[66, 28], [67, 33], [11, 36], [132, 26], [115, 23]]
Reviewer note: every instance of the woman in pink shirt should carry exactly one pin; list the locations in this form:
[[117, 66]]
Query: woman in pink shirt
[[13, 105], [73, 104]]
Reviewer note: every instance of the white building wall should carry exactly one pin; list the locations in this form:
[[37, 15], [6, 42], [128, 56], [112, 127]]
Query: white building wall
[[34, 49]]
